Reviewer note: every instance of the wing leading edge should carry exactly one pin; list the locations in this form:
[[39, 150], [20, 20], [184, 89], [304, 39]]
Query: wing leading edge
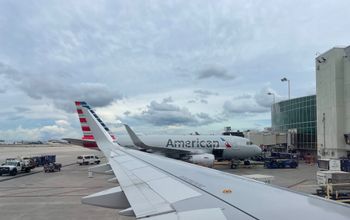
[[161, 188]]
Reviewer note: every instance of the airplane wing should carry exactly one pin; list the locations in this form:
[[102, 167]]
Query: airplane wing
[[154, 188], [139, 143]]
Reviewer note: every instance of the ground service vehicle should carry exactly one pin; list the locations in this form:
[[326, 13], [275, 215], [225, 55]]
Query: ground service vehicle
[[52, 167], [12, 167], [88, 159], [273, 163]]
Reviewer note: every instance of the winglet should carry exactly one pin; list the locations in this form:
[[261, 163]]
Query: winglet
[[87, 135], [135, 139], [102, 137]]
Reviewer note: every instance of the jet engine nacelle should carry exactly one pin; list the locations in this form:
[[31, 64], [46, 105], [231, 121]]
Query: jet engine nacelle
[[206, 160]]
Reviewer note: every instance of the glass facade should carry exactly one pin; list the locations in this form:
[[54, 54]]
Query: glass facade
[[298, 116]]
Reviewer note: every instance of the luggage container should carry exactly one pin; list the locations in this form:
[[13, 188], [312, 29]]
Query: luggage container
[[345, 165], [44, 159], [335, 165]]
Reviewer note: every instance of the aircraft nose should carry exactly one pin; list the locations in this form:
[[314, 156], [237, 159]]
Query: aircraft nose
[[257, 149]]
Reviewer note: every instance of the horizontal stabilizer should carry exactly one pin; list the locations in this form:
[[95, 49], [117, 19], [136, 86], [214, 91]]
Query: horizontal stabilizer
[[102, 168], [109, 172], [127, 212], [111, 198], [113, 180]]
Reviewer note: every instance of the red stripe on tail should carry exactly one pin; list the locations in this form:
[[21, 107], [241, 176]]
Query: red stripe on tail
[[88, 137], [85, 128], [83, 120]]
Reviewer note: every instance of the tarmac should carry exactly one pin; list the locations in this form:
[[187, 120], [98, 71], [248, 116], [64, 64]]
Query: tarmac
[[57, 195]]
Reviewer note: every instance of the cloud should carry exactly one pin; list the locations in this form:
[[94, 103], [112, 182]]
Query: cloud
[[260, 102], [205, 93], [244, 96], [202, 96], [127, 113], [59, 89], [214, 72], [206, 118], [101, 51], [263, 99], [191, 101], [204, 101], [59, 129], [167, 114], [240, 108], [22, 109]]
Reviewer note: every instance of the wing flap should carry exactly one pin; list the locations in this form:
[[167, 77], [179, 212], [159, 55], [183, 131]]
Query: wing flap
[[110, 198], [149, 191], [202, 214]]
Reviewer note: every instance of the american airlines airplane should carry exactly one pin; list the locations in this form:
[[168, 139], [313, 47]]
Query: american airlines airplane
[[199, 149], [153, 187]]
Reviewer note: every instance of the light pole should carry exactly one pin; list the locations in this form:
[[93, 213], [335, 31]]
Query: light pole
[[324, 133], [273, 105], [274, 96], [284, 79]]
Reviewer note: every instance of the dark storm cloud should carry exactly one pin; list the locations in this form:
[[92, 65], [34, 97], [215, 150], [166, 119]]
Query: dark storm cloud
[[214, 72], [165, 113]]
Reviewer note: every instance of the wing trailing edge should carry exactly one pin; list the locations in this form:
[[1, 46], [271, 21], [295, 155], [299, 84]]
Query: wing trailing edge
[[111, 198]]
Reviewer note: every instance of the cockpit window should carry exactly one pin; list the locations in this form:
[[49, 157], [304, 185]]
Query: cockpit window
[[249, 143]]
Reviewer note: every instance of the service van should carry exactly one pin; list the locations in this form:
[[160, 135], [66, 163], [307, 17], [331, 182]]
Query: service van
[[88, 159]]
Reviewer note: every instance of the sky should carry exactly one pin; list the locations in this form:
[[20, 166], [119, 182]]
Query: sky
[[163, 67]]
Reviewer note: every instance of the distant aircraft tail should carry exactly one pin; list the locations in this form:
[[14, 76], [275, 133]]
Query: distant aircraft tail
[[87, 134], [135, 139]]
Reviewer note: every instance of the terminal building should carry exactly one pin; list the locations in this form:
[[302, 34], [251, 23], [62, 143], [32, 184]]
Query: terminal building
[[333, 103], [297, 118], [267, 139]]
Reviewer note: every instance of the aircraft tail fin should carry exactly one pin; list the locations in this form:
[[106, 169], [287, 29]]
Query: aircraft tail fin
[[102, 137], [87, 134], [135, 139]]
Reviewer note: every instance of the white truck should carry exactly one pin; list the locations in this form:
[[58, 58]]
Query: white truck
[[14, 166], [88, 159]]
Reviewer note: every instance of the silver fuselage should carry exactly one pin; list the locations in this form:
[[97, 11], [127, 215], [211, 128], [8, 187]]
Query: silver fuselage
[[232, 147]]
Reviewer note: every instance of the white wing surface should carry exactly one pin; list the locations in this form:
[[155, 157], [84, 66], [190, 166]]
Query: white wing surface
[[155, 187]]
